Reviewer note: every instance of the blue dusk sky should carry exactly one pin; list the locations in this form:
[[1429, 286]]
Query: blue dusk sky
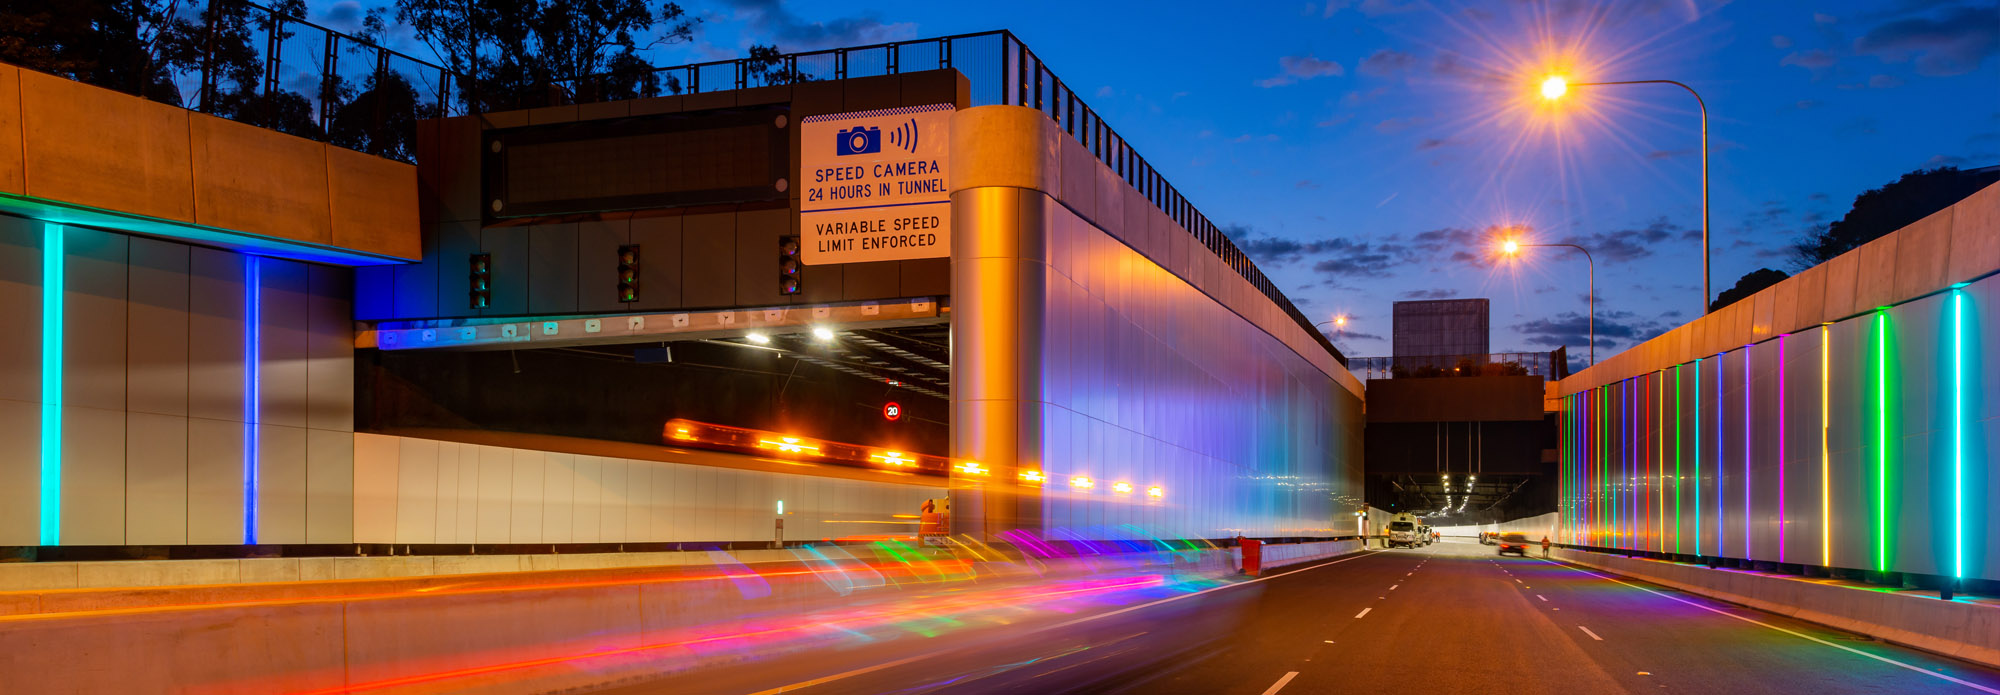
[[1368, 151]]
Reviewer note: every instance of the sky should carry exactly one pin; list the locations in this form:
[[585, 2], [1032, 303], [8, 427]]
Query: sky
[[1371, 151]]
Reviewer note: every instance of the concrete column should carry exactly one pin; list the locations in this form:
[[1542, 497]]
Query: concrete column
[[1002, 162]]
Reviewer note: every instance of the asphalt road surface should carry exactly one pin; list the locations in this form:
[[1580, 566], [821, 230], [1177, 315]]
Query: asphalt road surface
[[1450, 618]]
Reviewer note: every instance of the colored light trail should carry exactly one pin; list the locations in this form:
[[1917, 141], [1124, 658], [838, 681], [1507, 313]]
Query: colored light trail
[[53, 253]]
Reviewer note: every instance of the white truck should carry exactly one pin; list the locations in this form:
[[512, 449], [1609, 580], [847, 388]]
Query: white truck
[[1404, 532]]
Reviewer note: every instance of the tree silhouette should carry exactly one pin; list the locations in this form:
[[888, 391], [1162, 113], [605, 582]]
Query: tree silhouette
[[1894, 206]]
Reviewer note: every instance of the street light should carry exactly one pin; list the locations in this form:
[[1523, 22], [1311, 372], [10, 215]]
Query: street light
[[1512, 247], [1556, 86]]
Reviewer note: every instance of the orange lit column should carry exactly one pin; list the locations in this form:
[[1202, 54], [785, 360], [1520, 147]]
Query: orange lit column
[[1001, 167]]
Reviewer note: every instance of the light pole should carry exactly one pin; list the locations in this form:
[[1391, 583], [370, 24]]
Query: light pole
[[1512, 247], [1555, 86], [1339, 323]]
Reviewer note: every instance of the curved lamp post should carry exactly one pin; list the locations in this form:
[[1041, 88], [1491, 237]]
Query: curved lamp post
[[1512, 247]]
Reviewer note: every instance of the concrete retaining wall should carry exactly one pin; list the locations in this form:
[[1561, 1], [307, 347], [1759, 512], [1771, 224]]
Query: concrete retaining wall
[[1963, 629]]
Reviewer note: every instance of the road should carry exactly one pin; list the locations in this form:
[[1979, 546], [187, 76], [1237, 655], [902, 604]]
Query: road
[[1449, 618]]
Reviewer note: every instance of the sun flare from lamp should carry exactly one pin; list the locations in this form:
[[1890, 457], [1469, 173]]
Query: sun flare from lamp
[[1340, 320], [1554, 87], [1510, 247]]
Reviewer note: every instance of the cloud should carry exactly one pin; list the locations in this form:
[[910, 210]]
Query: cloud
[[1627, 245], [1808, 104], [1953, 43], [1814, 60], [1105, 92], [1353, 99], [1279, 251], [1885, 82], [1397, 125], [1306, 185], [1434, 143], [1429, 294], [1857, 127], [1386, 63], [773, 21], [1670, 154], [1781, 41], [1377, 8], [1614, 328], [1303, 67], [1335, 120]]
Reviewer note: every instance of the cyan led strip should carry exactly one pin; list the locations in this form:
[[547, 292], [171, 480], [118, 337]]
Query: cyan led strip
[[1958, 432], [52, 385], [253, 301]]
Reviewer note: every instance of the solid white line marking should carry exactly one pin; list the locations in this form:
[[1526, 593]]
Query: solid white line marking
[[1883, 659], [1364, 611], [1275, 687], [1587, 631], [1544, 599]]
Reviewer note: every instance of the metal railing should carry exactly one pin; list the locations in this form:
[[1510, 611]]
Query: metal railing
[[1000, 70], [301, 78], [1542, 364]]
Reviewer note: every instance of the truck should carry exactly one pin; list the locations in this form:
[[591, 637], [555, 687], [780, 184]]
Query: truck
[[1403, 532]]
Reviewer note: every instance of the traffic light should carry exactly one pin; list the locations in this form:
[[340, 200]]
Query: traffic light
[[788, 264], [482, 280], [628, 273]]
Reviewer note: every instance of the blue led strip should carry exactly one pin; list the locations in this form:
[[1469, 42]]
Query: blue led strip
[[253, 300], [52, 384]]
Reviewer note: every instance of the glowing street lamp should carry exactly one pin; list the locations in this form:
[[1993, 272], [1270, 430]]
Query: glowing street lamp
[[1556, 86], [1512, 247]]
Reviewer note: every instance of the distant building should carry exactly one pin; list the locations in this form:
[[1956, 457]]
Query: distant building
[[1438, 327]]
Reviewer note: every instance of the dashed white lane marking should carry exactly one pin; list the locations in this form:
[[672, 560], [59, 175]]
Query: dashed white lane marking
[[1327, 641], [1587, 631], [1517, 581], [1544, 599], [1800, 635], [1280, 685], [1392, 587], [1364, 611]]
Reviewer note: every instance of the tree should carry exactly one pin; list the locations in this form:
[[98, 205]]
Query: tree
[[1751, 283], [1893, 206], [115, 44], [527, 53]]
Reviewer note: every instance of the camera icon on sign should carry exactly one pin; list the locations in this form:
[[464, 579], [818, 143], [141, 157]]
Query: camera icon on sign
[[858, 140]]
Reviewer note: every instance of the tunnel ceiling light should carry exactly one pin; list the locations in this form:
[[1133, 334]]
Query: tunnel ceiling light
[[823, 333], [759, 338]]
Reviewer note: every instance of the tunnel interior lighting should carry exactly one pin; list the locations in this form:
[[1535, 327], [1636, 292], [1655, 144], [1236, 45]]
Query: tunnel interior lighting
[[1121, 487], [52, 383], [822, 333], [1082, 482], [1825, 457], [781, 507], [758, 338], [1157, 492]]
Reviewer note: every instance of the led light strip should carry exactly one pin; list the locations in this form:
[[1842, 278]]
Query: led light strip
[[1882, 440], [1781, 447], [1677, 459], [1695, 398], [52, 383], [253, 314], [1747, 456], [1825, 457], [1958, 432]]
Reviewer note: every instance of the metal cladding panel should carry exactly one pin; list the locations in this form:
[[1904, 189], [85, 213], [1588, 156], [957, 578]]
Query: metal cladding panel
[[281, 484], [412, 297], [215, 335], [215, 481], [93, 476], [20, 473], [416, 514], [157, 329], [329, 352], [94, 291], [756, 256], [329, 486], [597, 264], [510, 489], [283, 333], [510, 248], [456, 244], [156, 479], [449, 469], [708, 243], [1916, 375], [552, 271], [660, 272], [20, 311]]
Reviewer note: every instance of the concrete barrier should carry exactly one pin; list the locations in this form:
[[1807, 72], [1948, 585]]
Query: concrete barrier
[[1965, 628], [518, 631]]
